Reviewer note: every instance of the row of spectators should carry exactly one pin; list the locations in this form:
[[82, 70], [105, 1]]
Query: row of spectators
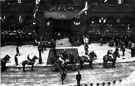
[[18, 35]]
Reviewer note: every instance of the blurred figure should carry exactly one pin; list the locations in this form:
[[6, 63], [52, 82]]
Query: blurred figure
[[65, 54], [17, 51], [86, 47], [16, 60], [59, 35], [78, 78], [109, 53], [71, 58], [116, 42], [101, 41], [123, 49], [86, 40], [132, 49], [53, 46]]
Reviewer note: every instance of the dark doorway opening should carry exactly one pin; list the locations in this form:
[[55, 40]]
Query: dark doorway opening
[[63, 27]]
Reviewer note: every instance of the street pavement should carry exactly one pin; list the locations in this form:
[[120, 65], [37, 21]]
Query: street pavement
[[44, 76], [32, 50]]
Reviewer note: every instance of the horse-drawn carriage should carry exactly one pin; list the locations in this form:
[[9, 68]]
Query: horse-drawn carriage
[[69, 62], [66, 63]]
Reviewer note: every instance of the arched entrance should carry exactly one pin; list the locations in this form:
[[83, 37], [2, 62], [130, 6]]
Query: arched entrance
[[62, 26], [61, 21]]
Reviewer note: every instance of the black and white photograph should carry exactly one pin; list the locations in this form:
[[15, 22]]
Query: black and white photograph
[[67, 42]]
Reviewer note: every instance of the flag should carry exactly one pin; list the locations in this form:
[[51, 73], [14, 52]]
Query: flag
[[84, 9]]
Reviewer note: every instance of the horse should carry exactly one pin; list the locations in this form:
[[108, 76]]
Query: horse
[[58, 61], [4, 61], [87, 58], [63, 73], [112, 59], [29, 62]]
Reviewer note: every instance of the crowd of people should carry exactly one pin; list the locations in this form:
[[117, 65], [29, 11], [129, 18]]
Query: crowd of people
[[18, 36], [121, 43]]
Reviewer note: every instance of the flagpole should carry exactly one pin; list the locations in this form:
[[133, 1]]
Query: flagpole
[[86, 21]]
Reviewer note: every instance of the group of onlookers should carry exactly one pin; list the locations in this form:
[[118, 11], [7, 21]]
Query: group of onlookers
[[18, 36]]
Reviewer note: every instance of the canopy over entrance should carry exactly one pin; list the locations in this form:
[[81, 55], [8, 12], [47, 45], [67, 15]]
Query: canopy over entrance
[[62, 15]]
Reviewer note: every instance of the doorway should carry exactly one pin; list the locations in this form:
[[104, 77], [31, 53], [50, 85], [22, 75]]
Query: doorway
[[63, 27]]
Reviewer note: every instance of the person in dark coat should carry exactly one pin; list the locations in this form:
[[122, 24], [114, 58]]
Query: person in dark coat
[[132, 49], [17, 51], [86, 49], [40, 56], [116, 42], [72, 59], [117, 49], [101, 41], [16, 59], [53, 46], [65, 55], [123, 50], [78, 78]]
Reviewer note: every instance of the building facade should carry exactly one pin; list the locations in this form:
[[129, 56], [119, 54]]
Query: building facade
[[103, 18]]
